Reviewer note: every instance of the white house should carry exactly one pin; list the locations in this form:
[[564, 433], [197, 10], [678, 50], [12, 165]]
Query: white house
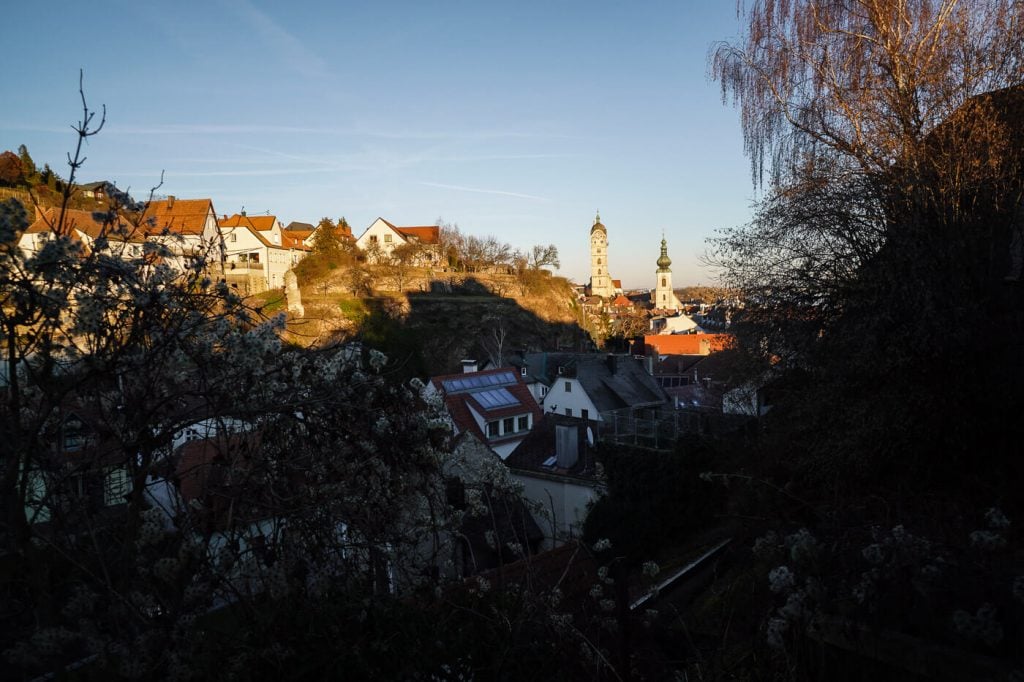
[[187, 227], [381, 238], [82, 226], [585, 385], [567, 396], [252, 260], [558, 473], [267, 226]]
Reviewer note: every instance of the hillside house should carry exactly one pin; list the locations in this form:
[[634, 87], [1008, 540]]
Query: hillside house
[[94, 190], [81, 226], [381, 238], [343, 232], [188, 228], [253, 262]]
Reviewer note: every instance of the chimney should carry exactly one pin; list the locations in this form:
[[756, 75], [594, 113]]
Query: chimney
[[613, 363], [170, 201], [469, 366], [567, 449]]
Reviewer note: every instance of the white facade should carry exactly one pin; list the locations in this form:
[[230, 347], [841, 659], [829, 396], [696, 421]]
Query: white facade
[[380, 237], [506, 433], [187, 245], [663, 297], [567, 397], [600, 278], [564, 501], [247, 251]]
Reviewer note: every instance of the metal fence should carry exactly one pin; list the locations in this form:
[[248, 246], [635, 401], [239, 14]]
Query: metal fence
[[661, 428]]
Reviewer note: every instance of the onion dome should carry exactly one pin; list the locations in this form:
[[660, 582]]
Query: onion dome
[[598, 225], [663, 260]]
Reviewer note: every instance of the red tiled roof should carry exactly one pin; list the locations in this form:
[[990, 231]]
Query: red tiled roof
[[82, 221], [622, 301], [261, 223], [293, 239], [181, 216], [687, 344], [460, 404], [617, 283], [425, 234]]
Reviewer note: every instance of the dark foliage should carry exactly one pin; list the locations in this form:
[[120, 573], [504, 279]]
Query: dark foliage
[[656, 499]]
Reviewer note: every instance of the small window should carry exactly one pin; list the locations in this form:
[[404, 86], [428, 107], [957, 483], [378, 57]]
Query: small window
[[568, 412], [232, 237], [522, 371], [524, 423], [373, 238], [585, 414], [387, 239], [568, 387], [493, 429], [510, 425]]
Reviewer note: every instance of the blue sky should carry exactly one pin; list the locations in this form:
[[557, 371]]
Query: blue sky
[[517, 119]]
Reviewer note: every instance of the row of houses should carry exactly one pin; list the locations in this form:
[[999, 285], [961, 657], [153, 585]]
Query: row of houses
[[252, 253]]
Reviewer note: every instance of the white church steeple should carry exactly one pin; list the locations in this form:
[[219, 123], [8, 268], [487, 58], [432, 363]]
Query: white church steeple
[[663, 297], [600, 278]]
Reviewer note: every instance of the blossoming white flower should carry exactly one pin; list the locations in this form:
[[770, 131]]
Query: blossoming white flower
[[996, 519], [776, 632], [987, 540], [781, 579], [873, 554]]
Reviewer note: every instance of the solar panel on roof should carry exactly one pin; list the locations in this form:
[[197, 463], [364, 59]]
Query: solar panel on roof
[[473, 382], [495, 398]]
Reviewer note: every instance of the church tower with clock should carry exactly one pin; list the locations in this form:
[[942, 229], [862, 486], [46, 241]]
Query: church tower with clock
[[600, 279]]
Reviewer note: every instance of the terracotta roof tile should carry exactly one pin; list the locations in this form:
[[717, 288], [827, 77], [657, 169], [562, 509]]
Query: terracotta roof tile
[[261, 223], [425, 234], [687, 344], [293, 239], [84, 222], [181, 216]]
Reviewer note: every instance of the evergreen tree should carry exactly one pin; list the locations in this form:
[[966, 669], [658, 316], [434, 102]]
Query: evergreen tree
[[28, 166]]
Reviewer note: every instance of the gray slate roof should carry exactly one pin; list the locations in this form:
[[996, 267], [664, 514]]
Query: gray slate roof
[[612, 381]]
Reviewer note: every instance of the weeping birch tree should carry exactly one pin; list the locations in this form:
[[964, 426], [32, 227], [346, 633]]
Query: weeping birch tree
[[840, 102]]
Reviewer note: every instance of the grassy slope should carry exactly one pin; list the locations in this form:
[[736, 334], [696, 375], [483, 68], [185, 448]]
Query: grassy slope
[[428, 328]]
